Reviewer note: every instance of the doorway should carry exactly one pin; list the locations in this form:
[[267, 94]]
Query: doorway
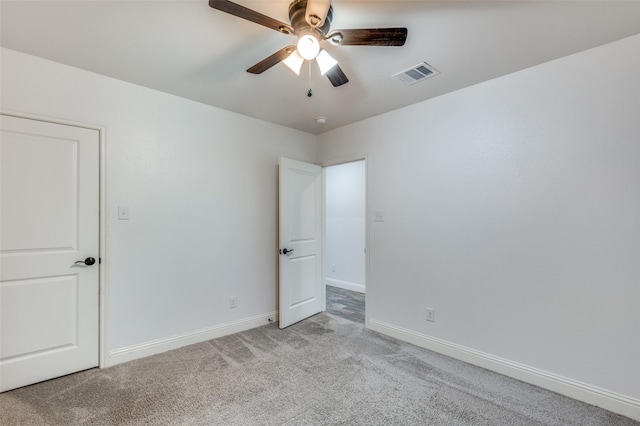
[[345, 239]]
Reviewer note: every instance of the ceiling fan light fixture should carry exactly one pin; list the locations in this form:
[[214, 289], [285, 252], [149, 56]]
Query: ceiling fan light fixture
[[294, 62], [311, 23], [325, 61], [308, 46]]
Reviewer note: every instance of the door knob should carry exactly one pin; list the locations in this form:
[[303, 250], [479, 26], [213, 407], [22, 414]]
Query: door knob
[[88, 261], [286, 251]]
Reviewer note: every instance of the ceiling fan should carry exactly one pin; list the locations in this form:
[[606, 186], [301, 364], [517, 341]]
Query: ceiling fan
[[310, 22]]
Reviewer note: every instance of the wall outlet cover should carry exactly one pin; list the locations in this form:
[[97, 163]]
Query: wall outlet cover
[[431, 315]]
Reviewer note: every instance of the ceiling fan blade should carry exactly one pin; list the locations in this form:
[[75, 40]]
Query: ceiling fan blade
[[369, 37], [251, 15], [336, 76], [316, 12], [272, 60]]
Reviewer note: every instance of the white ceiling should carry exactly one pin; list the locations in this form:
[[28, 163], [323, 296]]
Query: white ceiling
[[186, 48]]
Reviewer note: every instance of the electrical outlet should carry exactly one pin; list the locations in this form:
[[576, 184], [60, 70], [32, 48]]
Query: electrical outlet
[[333, 268], [378, 216], [431, 314], [233, 302]]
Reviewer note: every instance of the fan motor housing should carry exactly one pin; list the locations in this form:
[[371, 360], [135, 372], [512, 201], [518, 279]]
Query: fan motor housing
[[300, 25]]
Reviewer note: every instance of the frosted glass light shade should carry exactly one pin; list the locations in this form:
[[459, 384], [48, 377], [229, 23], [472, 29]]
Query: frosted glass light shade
[[308, 46], [325, 61], [294, 62]]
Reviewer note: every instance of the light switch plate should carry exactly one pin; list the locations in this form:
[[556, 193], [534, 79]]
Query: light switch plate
[[378, 216], [123, 212]]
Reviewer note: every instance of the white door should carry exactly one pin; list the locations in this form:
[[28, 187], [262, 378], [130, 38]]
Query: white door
[[49, 181], [301, 289]]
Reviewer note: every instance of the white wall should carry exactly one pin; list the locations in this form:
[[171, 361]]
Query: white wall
[[513, 208], [201, 184], [345, 225]]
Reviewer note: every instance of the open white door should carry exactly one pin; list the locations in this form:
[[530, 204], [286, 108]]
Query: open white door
[[49, 222], [301, 289]]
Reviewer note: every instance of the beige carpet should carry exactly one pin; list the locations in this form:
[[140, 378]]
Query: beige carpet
[[325, 370]]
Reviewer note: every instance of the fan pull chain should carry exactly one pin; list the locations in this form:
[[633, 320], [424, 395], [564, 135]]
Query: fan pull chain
[[309, 92]]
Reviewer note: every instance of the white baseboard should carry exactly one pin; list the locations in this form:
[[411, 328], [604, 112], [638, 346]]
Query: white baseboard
[[612, 401], [346, 285], [154, 347]]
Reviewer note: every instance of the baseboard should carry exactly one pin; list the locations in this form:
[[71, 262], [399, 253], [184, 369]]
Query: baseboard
[[154, 347], [617, 403], [345, 285]]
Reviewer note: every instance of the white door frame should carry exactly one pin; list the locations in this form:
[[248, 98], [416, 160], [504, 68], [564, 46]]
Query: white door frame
[[337, 162], [103, 255]]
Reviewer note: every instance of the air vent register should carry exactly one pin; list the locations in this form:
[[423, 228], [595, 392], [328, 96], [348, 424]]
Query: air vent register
[[417, 73]]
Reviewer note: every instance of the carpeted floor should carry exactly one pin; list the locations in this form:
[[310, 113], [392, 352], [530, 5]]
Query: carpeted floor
[[326, 370]]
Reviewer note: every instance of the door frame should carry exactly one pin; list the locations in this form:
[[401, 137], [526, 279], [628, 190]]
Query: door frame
[[336, 162], [102, 222]]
